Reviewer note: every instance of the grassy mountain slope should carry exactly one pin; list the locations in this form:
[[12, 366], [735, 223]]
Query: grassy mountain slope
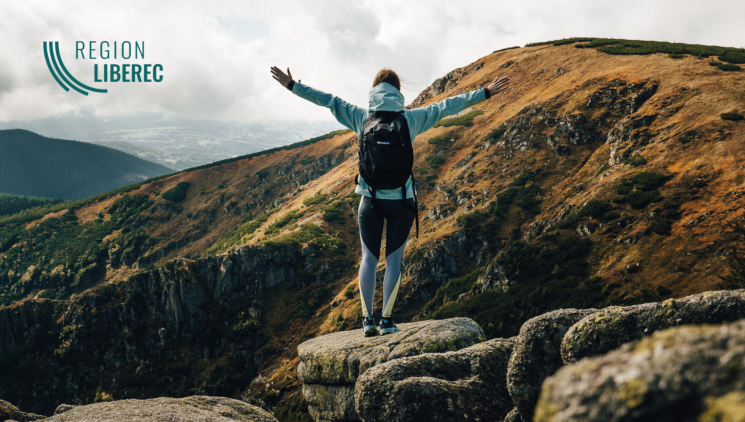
[[34, 165], [596, 179]]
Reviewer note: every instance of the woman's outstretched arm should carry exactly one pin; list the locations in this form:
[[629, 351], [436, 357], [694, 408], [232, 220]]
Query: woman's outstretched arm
[[425, 117], [347, 114]]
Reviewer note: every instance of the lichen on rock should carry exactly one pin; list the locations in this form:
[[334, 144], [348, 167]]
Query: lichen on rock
[[330, 365], [340, 358], [194, 408], [9, 412], [613, 326], [466, 385], [537, 355], [681, 374]]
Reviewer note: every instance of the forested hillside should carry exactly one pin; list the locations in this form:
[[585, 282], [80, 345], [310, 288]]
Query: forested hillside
[[13, 204], [34, 165]]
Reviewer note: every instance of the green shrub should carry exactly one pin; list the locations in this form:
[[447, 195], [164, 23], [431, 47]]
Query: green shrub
[[640, 189], [312, 235], [646, 180], [496, 133], [732, 56], [464, 120], [435, 161], [233, 238], [289, 218], [177, 193], [596, 209], [640, 199], [523, 179], [569, 222], [736, 262], [687, 136], [457, 286], [545, 277], [699, 183], [732, 116], [473, 219], [725, 66], [505, 49], [439, 141], [676, 56], [311, 300], [333, 212], [309, 202], [663, 291], [636, 160], [350, 291], [504, 200], [571, 41], [661, 225]]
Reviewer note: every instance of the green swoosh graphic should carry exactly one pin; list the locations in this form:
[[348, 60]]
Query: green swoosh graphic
[[46, 56], [54, 62], [59, 59]]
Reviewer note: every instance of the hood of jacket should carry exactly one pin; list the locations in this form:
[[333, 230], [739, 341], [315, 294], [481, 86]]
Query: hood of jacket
[[385, 97]]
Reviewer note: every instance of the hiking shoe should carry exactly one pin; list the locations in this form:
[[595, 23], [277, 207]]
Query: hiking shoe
[[368, 327], [387, 326]]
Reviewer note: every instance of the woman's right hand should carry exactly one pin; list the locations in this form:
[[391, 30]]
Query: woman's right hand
[[497, 86], [281, 77]]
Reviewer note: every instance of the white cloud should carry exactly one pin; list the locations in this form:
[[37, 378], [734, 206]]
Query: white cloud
[[217, 67]]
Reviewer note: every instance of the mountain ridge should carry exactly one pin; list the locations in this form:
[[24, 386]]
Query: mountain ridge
[[582, 186]]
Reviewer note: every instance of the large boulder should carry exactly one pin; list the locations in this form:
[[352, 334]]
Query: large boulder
[[611, 327], [330, 365], [195, 408], [537, 355], [691, 373], [10, 412], [467, 385]]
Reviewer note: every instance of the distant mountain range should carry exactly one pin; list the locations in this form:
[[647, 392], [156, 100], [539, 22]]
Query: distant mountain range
[[33, 165], [173, 141]]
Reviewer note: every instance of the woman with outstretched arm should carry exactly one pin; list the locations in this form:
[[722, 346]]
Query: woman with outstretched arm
[[386, 131]]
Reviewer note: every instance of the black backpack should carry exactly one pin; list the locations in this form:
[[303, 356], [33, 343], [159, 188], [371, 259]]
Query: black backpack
[[387, 156]]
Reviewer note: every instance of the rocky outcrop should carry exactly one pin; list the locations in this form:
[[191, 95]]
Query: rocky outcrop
[[622, 98], [537, 355], [528, 128], [130, 330], [188, 409], [692, 373], [330, 365], [446, 83], [494, 277], [466, 385], [436, 261], [611, 327], [513, 416], [8, 412], [629, 135]]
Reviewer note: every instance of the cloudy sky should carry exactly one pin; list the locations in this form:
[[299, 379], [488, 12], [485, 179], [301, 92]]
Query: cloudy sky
[[216, 54]]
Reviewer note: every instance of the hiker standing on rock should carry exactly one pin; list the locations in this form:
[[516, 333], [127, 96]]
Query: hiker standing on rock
[[386, 132]]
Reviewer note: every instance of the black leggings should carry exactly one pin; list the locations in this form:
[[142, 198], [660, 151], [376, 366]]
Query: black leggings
[[371, 220]]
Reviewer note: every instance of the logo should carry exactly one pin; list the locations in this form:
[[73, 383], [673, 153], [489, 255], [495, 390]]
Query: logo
[[112, 72], [53, 51]]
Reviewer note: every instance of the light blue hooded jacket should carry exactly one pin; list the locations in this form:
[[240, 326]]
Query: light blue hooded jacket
[[385, 97]]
